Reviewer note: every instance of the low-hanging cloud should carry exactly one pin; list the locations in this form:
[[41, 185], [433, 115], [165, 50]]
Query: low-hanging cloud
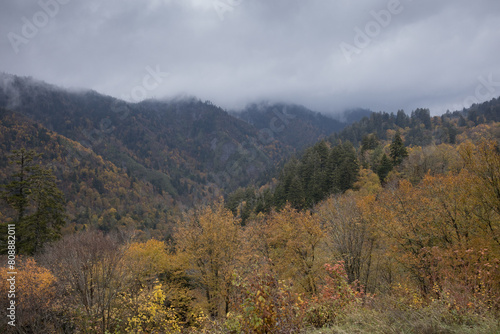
[[401, 54]]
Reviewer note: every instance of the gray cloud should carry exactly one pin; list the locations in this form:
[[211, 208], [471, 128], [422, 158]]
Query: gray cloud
[[426, 54]]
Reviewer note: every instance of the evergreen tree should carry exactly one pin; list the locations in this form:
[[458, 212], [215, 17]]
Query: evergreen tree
[[402, 119], [264, 202], [38, 203], [384, 168], [314, 173], [312, 177], [369, 142], [347, 174], [452, 134], [17, 191], [421, 116], [323, 151], [346, 167], [295, 193], [462, 121], [398, 150], [46, 222], [289, 172]]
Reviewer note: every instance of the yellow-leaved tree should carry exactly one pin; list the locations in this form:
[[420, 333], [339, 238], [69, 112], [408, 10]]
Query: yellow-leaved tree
[[207, 242], [153, 301], [151, 315], [294, 239]]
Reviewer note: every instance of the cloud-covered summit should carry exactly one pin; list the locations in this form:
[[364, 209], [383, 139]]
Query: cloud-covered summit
[[400, 53]]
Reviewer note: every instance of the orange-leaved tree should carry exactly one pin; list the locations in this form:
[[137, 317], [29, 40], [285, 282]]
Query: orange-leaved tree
[[34, 293], [482, 162]]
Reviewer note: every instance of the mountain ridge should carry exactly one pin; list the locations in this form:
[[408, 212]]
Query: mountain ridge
[[176, 140]]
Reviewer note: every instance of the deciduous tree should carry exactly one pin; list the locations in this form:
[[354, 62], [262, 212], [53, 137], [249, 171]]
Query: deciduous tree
[[35, 298], [208, 242], [90, 275], [294, 244], [349, 235]]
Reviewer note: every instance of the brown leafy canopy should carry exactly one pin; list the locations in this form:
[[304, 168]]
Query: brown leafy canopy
[[90, 275], [349, 235], [443, 231], [482, 163]]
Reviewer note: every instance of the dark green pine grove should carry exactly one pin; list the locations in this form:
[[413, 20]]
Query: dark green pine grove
[[304, 181], [321, 171]]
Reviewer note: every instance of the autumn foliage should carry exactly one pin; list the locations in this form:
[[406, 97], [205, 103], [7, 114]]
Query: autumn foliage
[[265, 304], [423, 239], [36, 297]]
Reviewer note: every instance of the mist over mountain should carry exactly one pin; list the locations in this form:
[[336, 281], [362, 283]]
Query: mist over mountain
[[292, 124], [354, 115], [190, 150], [172, 143]]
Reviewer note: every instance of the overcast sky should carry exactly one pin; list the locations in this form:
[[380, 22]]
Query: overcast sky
[[328, 55]]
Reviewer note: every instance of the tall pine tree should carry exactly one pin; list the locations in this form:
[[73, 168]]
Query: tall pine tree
[[398, 150], [384, 168], [38, 204]]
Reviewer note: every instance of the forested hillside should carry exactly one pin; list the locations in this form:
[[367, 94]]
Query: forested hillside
[[98, 193], [135, 165], [390, 225], [175, 145], [292, 125], [421, 128], [383, 145]]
